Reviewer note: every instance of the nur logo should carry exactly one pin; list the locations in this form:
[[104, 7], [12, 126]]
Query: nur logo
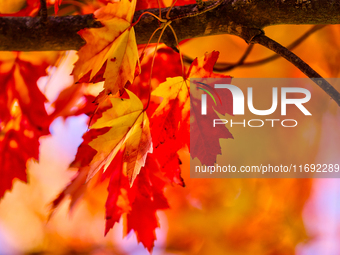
[[238, 99]]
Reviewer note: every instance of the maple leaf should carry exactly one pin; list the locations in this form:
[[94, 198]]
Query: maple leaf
[[113, 45], [20, 83], [117, 201], [204, 144], [173, 110], [16, 148], [169, 161], [23, 118], [140, 202], [149, 198], [170, 121], [170, 126], [129, 129]]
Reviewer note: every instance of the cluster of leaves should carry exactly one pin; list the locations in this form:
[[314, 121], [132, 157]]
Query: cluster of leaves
[[137, 127]]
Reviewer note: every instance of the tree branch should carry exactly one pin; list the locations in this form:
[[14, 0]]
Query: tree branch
[[299, 63], [231, 17], [223, 67], [243, 18], [33, 34]]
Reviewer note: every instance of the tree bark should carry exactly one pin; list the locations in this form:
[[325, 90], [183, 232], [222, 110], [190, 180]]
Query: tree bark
[[244, 18]]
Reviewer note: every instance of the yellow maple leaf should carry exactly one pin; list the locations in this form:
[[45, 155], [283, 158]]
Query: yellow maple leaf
[[176, 91], [174, 109], [114, 43], [174, 88], [129, 130]]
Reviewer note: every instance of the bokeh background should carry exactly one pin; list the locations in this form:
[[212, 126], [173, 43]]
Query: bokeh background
[[208, 216]]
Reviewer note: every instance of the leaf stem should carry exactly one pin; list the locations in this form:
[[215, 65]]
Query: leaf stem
[[146, 45], [179, 50], [168, 12], [153, 15], [153, 60]]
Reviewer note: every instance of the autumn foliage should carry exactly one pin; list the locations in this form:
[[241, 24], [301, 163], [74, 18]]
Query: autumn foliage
[[138, 136], [136, 126]]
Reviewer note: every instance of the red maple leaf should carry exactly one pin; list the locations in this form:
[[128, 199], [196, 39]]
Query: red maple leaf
[[23, 119], [16, 148], [204, 143], [148, 199], [170, 121]]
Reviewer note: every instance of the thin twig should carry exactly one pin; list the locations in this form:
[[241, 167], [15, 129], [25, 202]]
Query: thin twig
[[163, 27], [299, 63], [43, 10], [241, 61], [223, 67], [230, 66]]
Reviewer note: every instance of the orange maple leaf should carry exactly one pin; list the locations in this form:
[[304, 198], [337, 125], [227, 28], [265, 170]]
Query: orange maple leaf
[[113, 45], [129, 129]]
